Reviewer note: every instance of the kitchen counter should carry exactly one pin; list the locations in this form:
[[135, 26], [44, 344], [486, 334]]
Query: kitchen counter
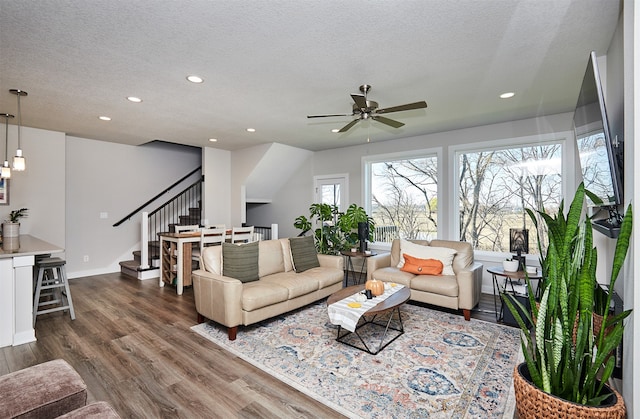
[[26, 245], [17, 258]]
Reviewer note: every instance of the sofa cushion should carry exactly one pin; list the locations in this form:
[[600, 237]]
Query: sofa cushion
[[421, 266], [325, 276], [211, 259], [441, 285], [270, 258], [260, 294], [395, 250], [240, 261], [464, 253], [393, 274], [286, 255], [303, 253], [296, 284], [443, 254]]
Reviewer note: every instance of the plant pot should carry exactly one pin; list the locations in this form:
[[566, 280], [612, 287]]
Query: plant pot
[[510, 265], [10, 229], [531, 402]]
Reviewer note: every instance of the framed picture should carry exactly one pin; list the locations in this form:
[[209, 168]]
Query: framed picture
[[519, 240], [4, 191]]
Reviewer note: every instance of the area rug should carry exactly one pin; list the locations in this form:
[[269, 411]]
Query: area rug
[[442, 367]]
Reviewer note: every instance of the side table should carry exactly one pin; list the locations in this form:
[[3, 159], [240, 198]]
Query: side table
[[349, 266], [511, 279]]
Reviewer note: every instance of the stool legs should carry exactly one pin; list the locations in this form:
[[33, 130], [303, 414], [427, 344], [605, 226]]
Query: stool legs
[[52, 283]]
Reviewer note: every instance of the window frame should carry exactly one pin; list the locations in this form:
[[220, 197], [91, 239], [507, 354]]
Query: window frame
[[567, 142], [367, 161]]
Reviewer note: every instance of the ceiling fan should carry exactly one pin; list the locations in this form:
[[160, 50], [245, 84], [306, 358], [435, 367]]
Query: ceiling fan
[[365, 109]]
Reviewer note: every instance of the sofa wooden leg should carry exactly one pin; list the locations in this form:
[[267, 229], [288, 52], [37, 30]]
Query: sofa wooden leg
[[467, 314], [201, 318], [232, 332]]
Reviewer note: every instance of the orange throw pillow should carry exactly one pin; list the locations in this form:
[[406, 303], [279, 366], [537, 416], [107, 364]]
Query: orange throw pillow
[[421, 266]]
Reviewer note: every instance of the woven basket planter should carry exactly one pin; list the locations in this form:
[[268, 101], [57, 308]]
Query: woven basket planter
[[531, 402]]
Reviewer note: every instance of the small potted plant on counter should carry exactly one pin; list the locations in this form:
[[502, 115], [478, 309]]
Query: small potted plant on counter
[[11, 227]]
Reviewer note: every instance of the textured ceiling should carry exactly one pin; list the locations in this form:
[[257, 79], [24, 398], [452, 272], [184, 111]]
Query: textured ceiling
[[267, 64]]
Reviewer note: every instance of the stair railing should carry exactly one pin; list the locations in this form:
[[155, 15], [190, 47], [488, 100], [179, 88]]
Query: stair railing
[[166, 190], [172, 212]]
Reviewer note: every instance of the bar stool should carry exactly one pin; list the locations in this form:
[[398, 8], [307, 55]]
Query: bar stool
[[52, 278]]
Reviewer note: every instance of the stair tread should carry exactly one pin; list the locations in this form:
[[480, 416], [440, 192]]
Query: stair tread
[[135, 266]]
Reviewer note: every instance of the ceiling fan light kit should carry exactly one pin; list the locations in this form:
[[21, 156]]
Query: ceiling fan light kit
[[364, 109]]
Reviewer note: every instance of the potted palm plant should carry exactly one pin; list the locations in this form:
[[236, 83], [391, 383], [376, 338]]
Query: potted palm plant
[[337, 230], [566, 366]]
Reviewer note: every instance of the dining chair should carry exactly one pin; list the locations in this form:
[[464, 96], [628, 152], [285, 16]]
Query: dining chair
[[209, 237], [182, 229], [222, 226], [242, 234]]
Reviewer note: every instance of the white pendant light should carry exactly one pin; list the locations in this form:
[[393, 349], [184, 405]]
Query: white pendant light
[[5, 171], [19, 162]]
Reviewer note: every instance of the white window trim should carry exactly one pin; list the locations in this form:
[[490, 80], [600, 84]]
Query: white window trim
[[569, 183]]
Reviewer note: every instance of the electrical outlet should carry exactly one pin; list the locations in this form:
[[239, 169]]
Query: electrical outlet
[[86, 258]]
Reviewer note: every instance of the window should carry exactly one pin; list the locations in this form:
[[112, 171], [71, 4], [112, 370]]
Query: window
[[332, 190], [401, 194], [496, 185]]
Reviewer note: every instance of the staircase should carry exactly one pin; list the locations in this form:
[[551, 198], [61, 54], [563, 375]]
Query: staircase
[[183, 209]]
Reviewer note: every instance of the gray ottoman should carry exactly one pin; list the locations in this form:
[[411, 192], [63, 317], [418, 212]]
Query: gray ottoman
[[96, 410], [42, 391]]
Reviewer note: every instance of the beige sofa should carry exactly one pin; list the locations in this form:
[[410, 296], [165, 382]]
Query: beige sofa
[[459, 291], [279, 289]]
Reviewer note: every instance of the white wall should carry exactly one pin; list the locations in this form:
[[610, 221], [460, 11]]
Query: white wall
[[114, 179], [631, 275], [40, 188], [216, 194]]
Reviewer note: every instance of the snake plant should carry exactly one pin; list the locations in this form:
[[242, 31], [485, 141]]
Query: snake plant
[[563, 356]]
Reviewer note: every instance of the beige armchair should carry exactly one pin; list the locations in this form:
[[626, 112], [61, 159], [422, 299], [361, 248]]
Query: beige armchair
[[460, 291]]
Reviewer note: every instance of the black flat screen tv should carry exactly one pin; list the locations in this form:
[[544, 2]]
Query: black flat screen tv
[[601, 157]]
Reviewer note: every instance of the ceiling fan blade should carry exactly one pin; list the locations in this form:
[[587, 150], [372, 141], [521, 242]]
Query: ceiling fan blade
[[407, 107], [387, 121], [349, 125], [360, 100], [325, 116]]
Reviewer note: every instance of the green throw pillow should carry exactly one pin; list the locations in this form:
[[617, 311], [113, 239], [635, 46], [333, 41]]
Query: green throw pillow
[[303, 253], [240, 261]]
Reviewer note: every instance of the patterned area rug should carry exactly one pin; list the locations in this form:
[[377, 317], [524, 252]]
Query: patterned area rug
[[442, 367]]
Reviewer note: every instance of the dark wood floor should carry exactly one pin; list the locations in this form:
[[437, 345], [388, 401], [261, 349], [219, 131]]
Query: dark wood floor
[[132, 345]]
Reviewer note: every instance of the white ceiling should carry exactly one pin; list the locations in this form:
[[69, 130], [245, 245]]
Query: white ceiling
[[267, 64]]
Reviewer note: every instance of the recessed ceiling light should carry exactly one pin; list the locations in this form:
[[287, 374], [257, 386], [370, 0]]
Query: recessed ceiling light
[[335, 130], [195, 79], [134, 99], [507, 95], [104, 118], [251, 129], [213, 140]]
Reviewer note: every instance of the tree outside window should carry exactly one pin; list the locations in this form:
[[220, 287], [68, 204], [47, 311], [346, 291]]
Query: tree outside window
[[495, 187], [404, 198]]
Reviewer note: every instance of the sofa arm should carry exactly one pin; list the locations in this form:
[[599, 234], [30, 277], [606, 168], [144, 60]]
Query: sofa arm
[[331, 261], [469, 286], [377, 262], [217, 297]]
